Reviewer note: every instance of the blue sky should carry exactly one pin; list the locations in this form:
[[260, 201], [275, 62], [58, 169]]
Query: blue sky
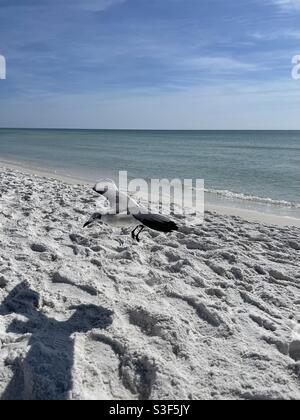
[[162, 64]]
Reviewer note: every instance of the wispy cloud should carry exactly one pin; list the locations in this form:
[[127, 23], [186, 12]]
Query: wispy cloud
[[90, 5], [95, 5], [288, 4], [219, 65], [263, 105], [275, 35]]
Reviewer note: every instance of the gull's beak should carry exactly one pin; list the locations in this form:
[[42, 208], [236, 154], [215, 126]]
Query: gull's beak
[[88, 223]]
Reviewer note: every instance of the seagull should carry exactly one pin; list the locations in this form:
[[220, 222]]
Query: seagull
[[126, 212]]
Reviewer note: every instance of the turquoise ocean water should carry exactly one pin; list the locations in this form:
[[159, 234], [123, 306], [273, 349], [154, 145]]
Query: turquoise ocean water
[[258, 169]]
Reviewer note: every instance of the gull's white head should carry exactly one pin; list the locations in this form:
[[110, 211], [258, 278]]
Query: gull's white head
[[105, 186]]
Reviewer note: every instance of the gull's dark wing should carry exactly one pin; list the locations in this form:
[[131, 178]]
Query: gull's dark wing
[[156, 222]]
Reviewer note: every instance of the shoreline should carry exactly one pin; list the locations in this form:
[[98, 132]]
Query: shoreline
[[43, 173], [224, 209], [254, 216]]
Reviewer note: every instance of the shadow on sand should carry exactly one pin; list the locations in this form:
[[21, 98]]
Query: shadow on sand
[[46, 371]]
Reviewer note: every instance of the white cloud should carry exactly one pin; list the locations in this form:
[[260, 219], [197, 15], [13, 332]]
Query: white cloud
[[219, 65], [95, 5], [288, 4], [275, 35]]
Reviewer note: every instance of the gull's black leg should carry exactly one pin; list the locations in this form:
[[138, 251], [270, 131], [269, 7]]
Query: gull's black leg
[[133, 233], [139, 232]]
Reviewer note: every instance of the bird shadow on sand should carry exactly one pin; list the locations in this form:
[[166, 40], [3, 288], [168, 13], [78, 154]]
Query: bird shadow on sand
[[45, 373]]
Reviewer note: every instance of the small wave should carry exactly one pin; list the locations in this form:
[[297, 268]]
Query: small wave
[[245, 197]]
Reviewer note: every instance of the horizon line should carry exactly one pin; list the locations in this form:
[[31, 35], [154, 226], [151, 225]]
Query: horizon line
[[147, 129]]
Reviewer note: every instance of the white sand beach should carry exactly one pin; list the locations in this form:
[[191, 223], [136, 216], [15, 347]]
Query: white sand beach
[[209, 312]]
